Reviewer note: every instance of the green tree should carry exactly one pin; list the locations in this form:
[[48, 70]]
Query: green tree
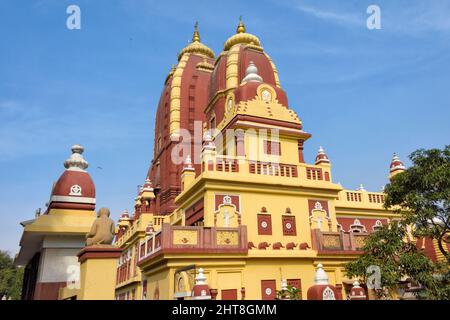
[[291, 293], [10, 277], [420, 196]]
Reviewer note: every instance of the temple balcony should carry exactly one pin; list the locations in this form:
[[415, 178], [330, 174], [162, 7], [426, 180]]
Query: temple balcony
[[139, 227], [193, 239], [338, 242], [357, 199], [254, 170]]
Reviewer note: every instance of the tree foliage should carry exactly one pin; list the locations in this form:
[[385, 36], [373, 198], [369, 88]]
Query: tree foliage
[[420, 197], [10, 277], [291, 293]]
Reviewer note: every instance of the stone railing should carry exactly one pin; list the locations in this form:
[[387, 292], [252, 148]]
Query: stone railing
[[304, 172], [273, 169], [337, 241], [350, 197], [194, 239]]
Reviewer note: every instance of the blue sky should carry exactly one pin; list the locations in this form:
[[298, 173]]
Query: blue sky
[[362, 94]]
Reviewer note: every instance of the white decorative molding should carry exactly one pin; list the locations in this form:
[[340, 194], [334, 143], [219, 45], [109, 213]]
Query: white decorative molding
[[72, 199], [377, 225], [357, 226], [227, 200], [318, 206]]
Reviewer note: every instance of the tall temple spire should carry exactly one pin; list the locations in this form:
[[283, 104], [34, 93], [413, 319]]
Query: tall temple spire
[[241, 26], [196, 35]]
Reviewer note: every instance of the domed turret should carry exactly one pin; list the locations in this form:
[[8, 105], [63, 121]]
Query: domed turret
[[75, 188], [357, 292], [396, 166], [201, 290], [322, 290], [146, 191], [124, 220], [321, 157]]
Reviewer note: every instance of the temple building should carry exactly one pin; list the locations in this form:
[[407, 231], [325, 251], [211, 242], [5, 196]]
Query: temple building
[[229, 209], [50, 242], [243, 208]]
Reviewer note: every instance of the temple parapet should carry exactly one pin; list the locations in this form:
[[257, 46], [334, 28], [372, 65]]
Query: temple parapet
[[194, 239], [337, 242], [361, 197]]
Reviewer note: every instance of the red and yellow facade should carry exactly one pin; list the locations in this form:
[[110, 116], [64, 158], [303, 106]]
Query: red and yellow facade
[[229, 208], [243, 206]]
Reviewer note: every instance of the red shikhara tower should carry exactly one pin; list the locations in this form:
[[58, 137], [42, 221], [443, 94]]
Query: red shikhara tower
[[194, 99], [183, 98]]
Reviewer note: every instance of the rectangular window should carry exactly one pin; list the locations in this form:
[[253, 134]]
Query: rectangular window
[[268, 289], [289, 227], [264, 224], [272, 147]]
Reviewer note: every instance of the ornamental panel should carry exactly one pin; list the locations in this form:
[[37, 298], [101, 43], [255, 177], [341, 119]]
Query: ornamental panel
[[268, 289], [264, 224], [185, 237], [289, 227], [227, 238], [331, 241]]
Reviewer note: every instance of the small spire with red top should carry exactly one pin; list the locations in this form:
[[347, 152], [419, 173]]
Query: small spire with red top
[[321, 157], [396, 166]]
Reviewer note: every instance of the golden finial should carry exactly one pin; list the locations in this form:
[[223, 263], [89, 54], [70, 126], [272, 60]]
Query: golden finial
[[241, 26], [196, 35]]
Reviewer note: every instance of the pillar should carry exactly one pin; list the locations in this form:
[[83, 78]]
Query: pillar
[[98, 266]]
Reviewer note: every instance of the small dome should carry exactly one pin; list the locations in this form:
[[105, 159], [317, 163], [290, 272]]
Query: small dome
[[396, 164], [148, 186], [321, 157], [322, 290], [124, 216], [188, 164], [196, 46], [75, 188], [241, 37], [357, 292], [201, 290]]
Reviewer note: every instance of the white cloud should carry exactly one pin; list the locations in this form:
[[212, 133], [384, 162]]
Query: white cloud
[[337, 17]]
